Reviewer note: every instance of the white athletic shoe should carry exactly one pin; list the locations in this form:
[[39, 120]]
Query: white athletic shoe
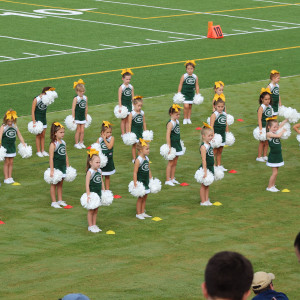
[[169, 183], [209, 202], [272, 189], [55, 205], [77, 146], [261, 159], [39, 154], [184, 122], [175, 181], [92, 229], [223, 169], [11, 180], [276, 189], [146, 216], [140, 216], [45, 153], [206, 203], [82, 145], [265, 158], [189, 121], [97, 228], [7, 181], [62, 203]]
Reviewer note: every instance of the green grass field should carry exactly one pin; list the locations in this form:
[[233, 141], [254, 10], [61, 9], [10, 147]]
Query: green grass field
[[47, 253]]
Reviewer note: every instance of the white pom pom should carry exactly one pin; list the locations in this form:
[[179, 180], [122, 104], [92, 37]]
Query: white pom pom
[[129, 138], [230, 139], [258, 136], [230, 119], [287, 133], [216, 141], [103, 160], [182, 146], [93, 203], [25, 151], [208, 121], [49, 97], [281, 110], [178, 98], [121, 115], [37, 129], [154, 185], [97, 147], [107, 198], [71, 174], [2, 153], [88, 121], [298, 138], [291, 114], [148, 135], [138, 191], [208, 180], [70, 123], [198, 99], [57, 176], [164, 152], [219, 173]]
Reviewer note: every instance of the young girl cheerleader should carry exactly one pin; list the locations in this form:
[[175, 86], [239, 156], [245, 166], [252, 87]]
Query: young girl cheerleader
[[218, 88], [93, 183], [79, 112], [58, 159], [142, 173], [263, 112], [187, 86], [106, 142], [275, 159], [173, 140], [219, 124], [8, 133], [125, 96], [207, 156], [137, 123], [274, 88], [38, 113]]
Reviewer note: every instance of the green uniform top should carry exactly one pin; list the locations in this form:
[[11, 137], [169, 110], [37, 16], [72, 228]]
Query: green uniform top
[[110, 166], [189, 86], [40, 110], [80, 108], [210, 159], [9, 138], [175, 137], [143, 171], [60, 158], [220, 124], [275, 96], [275, 155], [267, 113], [96, 181], [126, 98], [137, 124]]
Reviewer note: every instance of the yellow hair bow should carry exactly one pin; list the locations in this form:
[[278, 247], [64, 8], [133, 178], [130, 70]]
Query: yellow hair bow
[[176, 107], [11, 115], [190, 62], [219, 83], [107, 124], [207, 125], [51, 89], [272, 118], [92, 152], [80, 81], [143, 142], [58, 124], [126, 71], [274, 72], [138, 97], [267, 90], [216, 97]]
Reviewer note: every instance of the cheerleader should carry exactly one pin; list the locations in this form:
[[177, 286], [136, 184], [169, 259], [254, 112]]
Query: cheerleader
[[274, 88]]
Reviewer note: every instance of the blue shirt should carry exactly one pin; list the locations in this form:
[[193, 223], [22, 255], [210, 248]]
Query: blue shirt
[[270, 295]]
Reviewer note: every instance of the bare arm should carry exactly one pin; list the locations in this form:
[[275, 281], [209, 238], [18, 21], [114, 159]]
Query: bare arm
[[295, 127], [275, 135], [168, 134], [87, 183], [180, 84], [132, 94], [110, 144], [20, 137], [135, 171], [129, 122], [144, 123], [212, 121], [197, 86], [203, 157], [1, 133], [86, 108], [259, 116], [120, 96], [34, 102], [73, 107], [103, 187], [150, 173], [67, 159], [282, 123], [51, 155], [279, 101]]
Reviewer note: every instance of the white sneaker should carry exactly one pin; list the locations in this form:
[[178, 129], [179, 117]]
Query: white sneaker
[[140, 216], [169, 183], [272, 189], [62, 203], [11, 180], [39, 154], [92, 229], [146, 216], [55, 205], [7, 181], [189, 121], [184, 122], [206, 203], [45, 153], [175, 181], [97, 228], [77, 146], [209, 202], [260, 159], [223, 169], [265, 158], [82, 145], [276, 189]]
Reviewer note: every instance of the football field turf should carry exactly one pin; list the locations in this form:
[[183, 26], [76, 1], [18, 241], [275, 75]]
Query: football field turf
[[47, 253]]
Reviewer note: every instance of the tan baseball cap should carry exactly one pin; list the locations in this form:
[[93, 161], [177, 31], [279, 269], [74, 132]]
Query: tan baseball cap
[[261, 280]]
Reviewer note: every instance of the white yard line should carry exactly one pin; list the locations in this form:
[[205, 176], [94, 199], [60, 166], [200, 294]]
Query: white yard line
[[58, 51], [131, 43], [33, 54], [240, 30], [159, 42], [262, 29], [109, 46], [276, 2], [40, 42]]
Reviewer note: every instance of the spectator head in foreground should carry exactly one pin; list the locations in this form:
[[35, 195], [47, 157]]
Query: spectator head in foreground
[[263, 288], [228, 275], [297, 246]]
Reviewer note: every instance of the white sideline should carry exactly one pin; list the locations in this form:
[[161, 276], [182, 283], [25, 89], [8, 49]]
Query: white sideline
[[276, 2]]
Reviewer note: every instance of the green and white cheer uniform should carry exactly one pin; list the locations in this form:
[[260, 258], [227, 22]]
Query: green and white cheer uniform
[[137, 124], [275, 97], [275, 156], [96, 182], [9, 140], [126, 98], [109, 169], [188, 87], [143, 172], [80, 110], [175, 137], [210, 159], [60, 158], [267, 113], [40, 111], [220, 125]]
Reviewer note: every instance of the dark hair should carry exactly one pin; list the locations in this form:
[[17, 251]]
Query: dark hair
[[269, 124], [126, 74], [228, 275], [297, 242], [262, 96], [263, 290], [103, 127], [190, 64], [219, 101], [88, 160], [53, 130], [45, 89], [172, 110]]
